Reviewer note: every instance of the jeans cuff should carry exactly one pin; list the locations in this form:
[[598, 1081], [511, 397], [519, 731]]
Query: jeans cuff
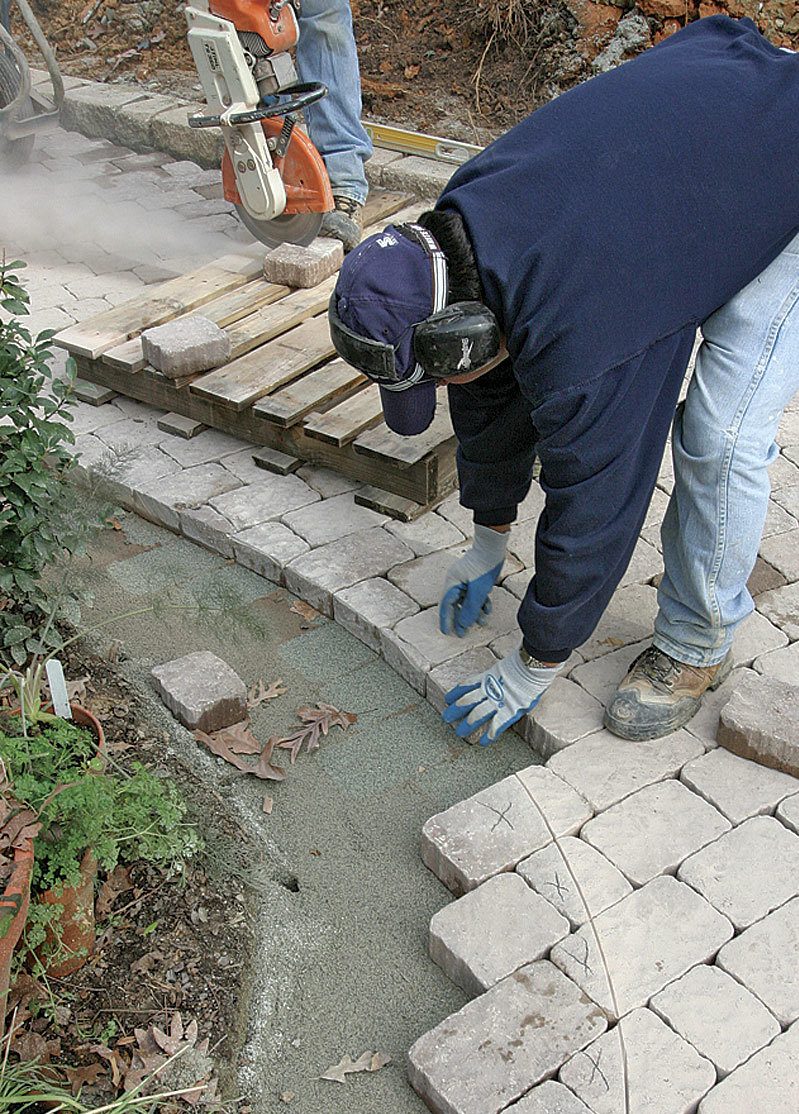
[[701, 659]]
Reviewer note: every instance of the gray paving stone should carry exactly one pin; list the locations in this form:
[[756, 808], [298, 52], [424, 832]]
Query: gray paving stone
[[272, 460], [645, 563], [460, 517], [704, 725], [449, 674], [718, 1016], [652, 831], [565, 714], [426, 534], [317, 575], [424, 177], [202, 691], [405, 660], [268, 499], [130, 434], [783, 473], [327, 482], [780, 665], [788, 499], [421, 631], [329, 519], [665, 1075], [303, 267], [370, 607], [171, 133], [267, 548], [602, 675], [492, 931], [737, 787], [185, 346], [204, 448], [93, 393], [503, 1043], [549, 1098], [605, 769], [132, 122], [788, 813], [161, 500], [575, 878], [88, 419], [495, 829], [423, 578], [91, 108], [761, 721], [778, 521], [763, 959], [180, 426], [628, 619], [649, 939], [769, 1081], [781, 606], [208, 528], [748, 871], [756, 635]]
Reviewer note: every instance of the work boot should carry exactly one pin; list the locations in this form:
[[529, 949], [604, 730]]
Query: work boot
[[344, 223], [660, 694]]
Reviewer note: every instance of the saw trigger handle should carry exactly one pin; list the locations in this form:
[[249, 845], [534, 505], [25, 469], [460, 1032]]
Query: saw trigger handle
[[300, 95]]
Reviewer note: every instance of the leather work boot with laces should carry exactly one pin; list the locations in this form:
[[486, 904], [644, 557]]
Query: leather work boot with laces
[[660, 694], [344, 223]]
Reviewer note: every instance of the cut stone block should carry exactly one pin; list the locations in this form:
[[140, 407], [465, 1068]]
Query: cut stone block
[[788, 813], [549, 1098], [761, 721], [652, 831], [445, 677], [602, 675], [206, 447], [645, 564], [209, 529], [317, 575], [324, 480], [180, 426], [405, 660], [500, 1045], [426, 534], [95, 394], [737, 787], [267, 549], [748, 871], [649, 939], [295, 265], [605, 769], [272, 460], [705, 724], [565, 714], [763, 958], [780, 665], [778, 522], [268, 499], [781, 606], [492, 931], [575, 878], [769, 1081], [185, 346], [628, 619], [202, 691], [423, 578], [664, 1073], [330, 519], [718, 1016], [162, 499], [130, 435], [498, 827], [763, 578], [370, 607]]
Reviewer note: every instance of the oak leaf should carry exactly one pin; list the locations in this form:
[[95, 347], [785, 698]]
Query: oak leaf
[[79, 1077], [367, 1061], [317, 722], [117, 882], [259, 693], [218, 743]]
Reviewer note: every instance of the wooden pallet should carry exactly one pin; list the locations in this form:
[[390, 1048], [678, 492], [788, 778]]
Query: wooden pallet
[[282, 387]]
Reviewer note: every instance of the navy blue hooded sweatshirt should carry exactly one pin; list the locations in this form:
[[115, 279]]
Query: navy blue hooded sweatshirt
[[606, 227]]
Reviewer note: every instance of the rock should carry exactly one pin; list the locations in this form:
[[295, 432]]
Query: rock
[[202, 691], [294, 265], [185, 346], [632, 35], [761, 721]]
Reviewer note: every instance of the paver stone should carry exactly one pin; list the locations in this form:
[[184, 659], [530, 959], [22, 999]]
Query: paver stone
[[761, 721], [575, 878], [737, 787], [763, 958], [768, 1082], [371, 606], [202, 691]]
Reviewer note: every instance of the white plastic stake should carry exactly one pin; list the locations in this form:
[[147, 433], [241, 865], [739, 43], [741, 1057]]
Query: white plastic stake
[[58, 688]]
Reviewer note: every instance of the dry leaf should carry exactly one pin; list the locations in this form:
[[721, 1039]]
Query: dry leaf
[[76, 690], [239, 738], [268, 805], [303, 609], [31, 1046], [116, 1062], [259, 693], [317, 723], [411, 71], [367, 1061], [218, 743], [79, 1077], [117, 882]]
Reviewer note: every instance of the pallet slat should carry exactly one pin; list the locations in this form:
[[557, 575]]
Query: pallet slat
[[344, 422], [318, 390], [382, 443]]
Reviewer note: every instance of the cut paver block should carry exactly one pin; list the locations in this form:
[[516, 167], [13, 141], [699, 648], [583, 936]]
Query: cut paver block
[[317, 575], [503, 1043], [371, 606], [405, 660], [718, 1016], [426, 534], [209, 529], [330, 519], [272, 460], [763, 958], [748, 871], [492, 931], [575, 878], [781, 606], [756, 635], [705, 724], [565, 714], [268, 499], [498, 827], [761, 721], [202, 691], [782, 550], [423, 578], [737, 787], [601, 676], [605, 769], [549, 1098], [422, 631], [652, 831], [780, 665], [185, 346], [446, 676], [95, 394], [267, 549], [207, 446], [161, 499], [295, 265], [788, 813], [648, 939], [665, 1075], [769, 1081], [180, 426]]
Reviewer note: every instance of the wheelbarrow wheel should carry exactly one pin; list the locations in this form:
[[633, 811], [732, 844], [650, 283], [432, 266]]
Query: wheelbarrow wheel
[[13, 152]]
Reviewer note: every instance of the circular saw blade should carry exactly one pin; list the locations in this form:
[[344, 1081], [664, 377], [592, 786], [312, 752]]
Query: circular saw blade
[[297, 228]]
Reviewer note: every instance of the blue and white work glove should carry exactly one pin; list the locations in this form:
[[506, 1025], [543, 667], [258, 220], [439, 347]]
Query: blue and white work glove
[[469, 581], [497, 698]]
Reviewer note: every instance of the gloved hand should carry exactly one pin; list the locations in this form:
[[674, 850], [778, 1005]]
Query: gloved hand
[[469, 581], [497, 698]]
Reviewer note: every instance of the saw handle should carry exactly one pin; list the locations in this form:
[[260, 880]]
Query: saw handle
[[300, 95]]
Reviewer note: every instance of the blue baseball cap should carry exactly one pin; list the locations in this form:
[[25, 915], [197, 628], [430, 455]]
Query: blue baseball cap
[[391, 282]]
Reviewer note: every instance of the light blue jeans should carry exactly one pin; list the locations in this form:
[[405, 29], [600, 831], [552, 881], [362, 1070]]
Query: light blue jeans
[[747, 371], [326, 52]]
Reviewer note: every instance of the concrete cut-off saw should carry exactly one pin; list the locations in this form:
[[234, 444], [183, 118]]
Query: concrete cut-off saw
[[271, 170], [24, 111]]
